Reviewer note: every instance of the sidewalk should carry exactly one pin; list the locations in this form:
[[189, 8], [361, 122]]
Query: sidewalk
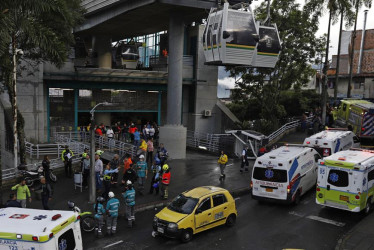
[[360, 237], [197, 170]]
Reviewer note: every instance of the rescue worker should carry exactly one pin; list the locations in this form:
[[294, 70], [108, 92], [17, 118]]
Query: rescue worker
[[244, 160], [222, 161], [22, 193], [107, 179], [156, 170], [127, 163], [142, 171], [129, 196], [99, 215], [165, 181], [112, 214], [67, 157]]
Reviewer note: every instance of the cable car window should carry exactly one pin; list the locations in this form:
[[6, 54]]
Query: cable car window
[[220, 32], [208, 39], [204, 36], [214, 40], [66, 240], [269, 42], [338, 178], [241, 27]]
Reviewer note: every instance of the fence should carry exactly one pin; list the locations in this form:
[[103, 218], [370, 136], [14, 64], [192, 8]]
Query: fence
[[209, 142], [285, 129]]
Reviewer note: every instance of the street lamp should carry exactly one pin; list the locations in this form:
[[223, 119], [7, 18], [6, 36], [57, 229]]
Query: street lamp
[[92, 186], [14, 102]]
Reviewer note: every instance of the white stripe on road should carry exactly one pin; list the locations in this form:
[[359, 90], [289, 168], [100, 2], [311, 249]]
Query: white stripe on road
[[332, 222], [296, 214], [113, 244], [237, 198]]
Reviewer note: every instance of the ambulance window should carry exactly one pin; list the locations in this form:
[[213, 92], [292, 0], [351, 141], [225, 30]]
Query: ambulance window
[[371, 175], [66, 240], [273, 175], [317, 157], [338, 178], [205, 205], [219, 199], [356, 139], [344, 107]]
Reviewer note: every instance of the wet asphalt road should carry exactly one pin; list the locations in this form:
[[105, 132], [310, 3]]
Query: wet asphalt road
[[259, 226]]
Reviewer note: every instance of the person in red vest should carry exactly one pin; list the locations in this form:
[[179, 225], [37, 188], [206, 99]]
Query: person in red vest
[[165, 181]]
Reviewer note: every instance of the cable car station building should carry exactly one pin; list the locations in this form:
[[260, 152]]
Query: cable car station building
[[170, 84]]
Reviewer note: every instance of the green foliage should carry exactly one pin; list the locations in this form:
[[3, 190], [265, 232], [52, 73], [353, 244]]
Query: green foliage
[[300, 47], [298, 102]]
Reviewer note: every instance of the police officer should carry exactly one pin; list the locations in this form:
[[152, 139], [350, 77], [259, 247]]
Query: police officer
[[165, 180], [66, 157], [99, 215], [156, 170], [129, 196], [112, 214]]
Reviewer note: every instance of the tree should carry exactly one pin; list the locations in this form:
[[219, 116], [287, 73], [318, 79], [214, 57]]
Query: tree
[[43, 30], [297, 30]]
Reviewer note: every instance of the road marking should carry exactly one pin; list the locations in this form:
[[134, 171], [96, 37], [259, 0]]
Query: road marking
[[113, 244], [296, 214], [237, 198], [332, 222]]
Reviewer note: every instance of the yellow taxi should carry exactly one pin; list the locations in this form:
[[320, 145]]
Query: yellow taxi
[[195, 211]]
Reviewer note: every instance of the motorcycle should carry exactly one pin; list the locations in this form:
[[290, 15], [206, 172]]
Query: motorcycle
[[87, 221], [32, 176]]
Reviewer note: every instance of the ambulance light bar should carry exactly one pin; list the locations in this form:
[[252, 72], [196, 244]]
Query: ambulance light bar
[[341, 129]]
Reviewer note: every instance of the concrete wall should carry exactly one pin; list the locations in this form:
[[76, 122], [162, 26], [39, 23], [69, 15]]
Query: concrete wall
[[365, 91], [6, 156], [32, 100]]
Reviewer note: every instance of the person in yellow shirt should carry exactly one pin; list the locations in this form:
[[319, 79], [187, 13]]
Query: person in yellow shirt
[[143, 149], [222, 161]]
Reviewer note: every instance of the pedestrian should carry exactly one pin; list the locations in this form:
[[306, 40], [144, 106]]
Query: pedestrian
[[162, 154], [115, 131], [165, 181], [99, 215], [150, 151], [86, 170], [244, 160], [129, 175], [110, 133], [143, 148], [23, 193], [262, 151], [127, 163], [112, 207], [129, 196], [12, 202], [98, 171], [222, 161], [152, 132], [132, 129], [142, 170], [46, 189], [67, 158], [156, 170], [114, 164], [125, 132], [46, 168], [107, 179], [136, 138]]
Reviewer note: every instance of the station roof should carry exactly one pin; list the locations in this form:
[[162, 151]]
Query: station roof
[[129, 18]]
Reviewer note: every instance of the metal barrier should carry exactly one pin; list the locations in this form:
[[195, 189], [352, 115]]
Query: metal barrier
[[285, 128], [209, 142]]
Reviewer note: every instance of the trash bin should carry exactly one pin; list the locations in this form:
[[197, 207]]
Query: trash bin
[[77, 178]]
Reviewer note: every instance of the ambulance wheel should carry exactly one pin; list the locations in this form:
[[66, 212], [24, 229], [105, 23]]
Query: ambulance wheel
[[368, 206], [297, 198], [186, 235], [230, 221]]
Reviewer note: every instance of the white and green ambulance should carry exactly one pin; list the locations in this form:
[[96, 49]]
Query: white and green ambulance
[[346, 180], [34, 229]]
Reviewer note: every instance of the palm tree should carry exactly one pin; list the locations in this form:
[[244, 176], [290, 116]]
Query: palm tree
[[357, 4]]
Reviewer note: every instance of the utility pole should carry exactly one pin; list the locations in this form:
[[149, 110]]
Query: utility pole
[[325, 68], [352, 54], [338, 58]]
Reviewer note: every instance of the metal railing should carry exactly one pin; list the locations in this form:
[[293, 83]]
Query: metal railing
[[285, 129], [209, 142]]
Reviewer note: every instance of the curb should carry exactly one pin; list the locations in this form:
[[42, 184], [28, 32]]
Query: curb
[[152, 206]]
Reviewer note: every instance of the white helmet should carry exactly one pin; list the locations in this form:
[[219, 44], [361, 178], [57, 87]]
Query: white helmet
[[128, 182], [110, 194], [141, 157]]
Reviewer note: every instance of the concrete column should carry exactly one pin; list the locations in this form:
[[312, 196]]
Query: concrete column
[[104, 51], [173, 134]]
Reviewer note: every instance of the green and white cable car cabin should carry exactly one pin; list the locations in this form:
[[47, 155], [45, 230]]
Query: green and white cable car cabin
[[232, 37]]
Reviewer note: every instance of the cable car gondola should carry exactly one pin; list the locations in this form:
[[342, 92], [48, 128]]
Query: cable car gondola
[[127, 54]]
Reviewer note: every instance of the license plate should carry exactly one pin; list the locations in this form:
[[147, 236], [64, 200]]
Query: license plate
[[269, 190], [160, 230], [344, 198]]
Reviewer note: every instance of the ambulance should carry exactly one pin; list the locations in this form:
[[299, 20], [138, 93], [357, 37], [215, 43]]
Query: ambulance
[[285, 174], [358, 114], [346, 180], [332, 140], [34, 229]]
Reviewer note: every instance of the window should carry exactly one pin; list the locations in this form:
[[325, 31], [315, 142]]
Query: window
[[371, 175], [183, 204], [205, 205], [272, 175], [219, 199], [344, 107], [356, 139], [317, 157], [66, 240], [338, 178]]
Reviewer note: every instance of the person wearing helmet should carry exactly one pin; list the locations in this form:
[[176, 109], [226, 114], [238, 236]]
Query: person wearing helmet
[[99, 215], [165, 180], [129, 196], [156, 170], [142, 170], [107, 179], [112, 214]]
